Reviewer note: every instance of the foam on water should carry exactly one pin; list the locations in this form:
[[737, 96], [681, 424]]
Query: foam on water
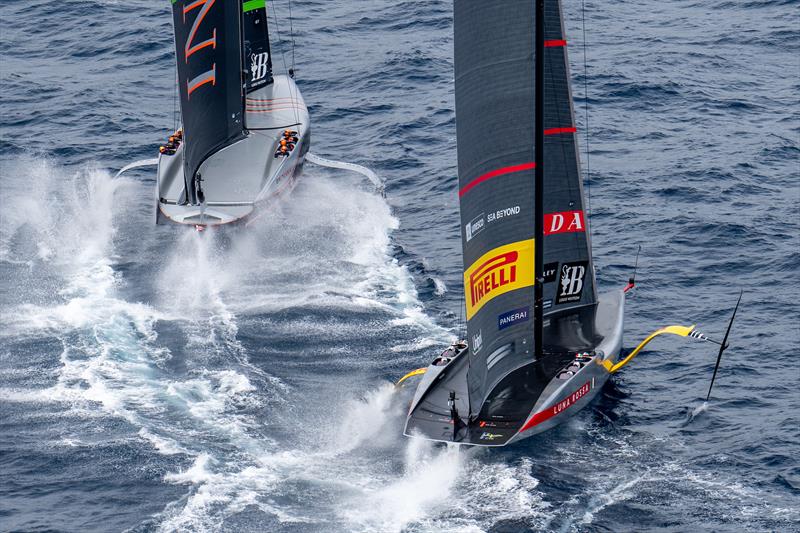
[[112, 356], [424, 485], [697, 411], [104, 338], [384, 482], [248, 391]]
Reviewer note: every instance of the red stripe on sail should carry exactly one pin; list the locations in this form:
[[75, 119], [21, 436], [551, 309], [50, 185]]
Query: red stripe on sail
[[556, 131], [493, 174], [552, 43]]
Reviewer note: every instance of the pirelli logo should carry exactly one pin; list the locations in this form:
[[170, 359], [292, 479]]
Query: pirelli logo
[[497, 272]]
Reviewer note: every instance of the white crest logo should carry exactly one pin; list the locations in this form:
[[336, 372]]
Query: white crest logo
[[258, 65], [474, 227], [572, 279]]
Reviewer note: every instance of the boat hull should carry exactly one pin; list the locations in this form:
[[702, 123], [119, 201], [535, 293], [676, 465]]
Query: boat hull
[[571, 389], [243, 178]]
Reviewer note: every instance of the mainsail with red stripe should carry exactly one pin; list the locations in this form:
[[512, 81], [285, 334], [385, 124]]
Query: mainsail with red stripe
[[495, 116]]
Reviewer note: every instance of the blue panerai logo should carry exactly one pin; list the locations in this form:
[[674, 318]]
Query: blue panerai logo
[[513, 317]]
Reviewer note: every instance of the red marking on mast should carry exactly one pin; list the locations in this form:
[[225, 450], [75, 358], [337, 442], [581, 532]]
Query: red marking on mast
[[493, 174], [553, 43], [556, 131]]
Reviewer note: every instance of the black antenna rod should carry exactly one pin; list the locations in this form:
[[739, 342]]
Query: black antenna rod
[[632, 279], [723, 345], [538, 312]]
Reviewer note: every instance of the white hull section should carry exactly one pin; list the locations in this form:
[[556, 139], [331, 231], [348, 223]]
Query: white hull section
[[246, 174]]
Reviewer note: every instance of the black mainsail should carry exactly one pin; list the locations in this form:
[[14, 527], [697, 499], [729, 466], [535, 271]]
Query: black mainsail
[[541, 343], [495, 111], [257, 56], [208, 46]]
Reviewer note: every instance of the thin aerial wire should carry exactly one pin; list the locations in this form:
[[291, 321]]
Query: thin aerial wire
[[283, 57], [586, 111], [177, 83], [291, 31], [175, 101]]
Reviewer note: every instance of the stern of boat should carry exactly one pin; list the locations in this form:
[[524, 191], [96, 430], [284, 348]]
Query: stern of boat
[[577, 379]]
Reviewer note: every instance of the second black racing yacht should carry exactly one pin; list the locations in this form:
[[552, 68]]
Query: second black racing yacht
[[245, 130]]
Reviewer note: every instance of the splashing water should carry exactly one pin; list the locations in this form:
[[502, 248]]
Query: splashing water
[[114, 357]]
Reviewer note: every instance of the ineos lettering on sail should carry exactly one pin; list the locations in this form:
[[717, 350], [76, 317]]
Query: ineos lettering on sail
[[191, 47], [209, 63]]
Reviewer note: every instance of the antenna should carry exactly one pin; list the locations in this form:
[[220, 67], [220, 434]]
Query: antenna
[[586, 110], [632, 279], [723, 345]]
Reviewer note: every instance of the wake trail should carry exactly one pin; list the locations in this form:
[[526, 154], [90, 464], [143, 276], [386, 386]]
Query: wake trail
[[68, 227], [72, 228], [321, 257]]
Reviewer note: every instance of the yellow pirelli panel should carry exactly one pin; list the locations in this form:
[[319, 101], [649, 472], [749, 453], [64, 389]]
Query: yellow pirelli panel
[[497, 272]]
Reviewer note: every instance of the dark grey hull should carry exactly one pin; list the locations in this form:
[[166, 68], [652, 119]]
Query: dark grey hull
[[532, 409]]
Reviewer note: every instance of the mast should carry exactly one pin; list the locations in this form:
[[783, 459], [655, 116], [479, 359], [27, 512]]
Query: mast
[[538, 311]]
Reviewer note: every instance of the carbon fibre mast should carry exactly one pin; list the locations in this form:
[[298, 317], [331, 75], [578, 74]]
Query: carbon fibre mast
[[538, 300]]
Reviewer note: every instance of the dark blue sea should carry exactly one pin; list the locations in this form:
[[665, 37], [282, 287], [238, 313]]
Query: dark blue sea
[[159, 379]]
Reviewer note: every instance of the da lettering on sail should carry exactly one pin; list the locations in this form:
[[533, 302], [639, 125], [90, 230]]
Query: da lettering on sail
[[564, 222], [497, 272]]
